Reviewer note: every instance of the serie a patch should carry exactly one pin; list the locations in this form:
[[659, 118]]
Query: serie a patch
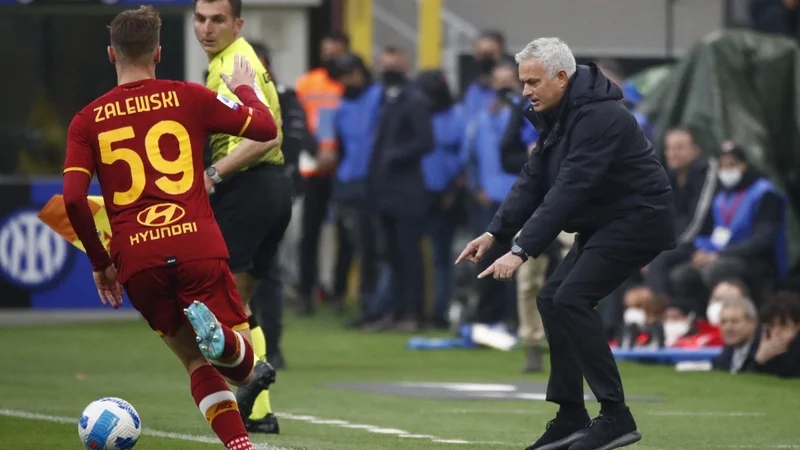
[[228, 102]]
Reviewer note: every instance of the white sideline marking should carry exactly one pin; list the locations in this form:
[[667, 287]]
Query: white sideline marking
[[259, 446], [145, 431], [381, 430]]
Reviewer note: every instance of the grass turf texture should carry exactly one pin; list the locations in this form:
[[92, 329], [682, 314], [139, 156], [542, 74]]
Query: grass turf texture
[[58, 370]]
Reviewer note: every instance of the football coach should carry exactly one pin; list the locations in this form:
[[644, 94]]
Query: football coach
[[593, 172]]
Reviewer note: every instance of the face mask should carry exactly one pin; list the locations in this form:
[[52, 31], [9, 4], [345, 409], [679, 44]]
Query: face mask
[[330, 67], [713, 312], [674, 330], [506, 94], [730, 177], [352, 92], [393, 78], [634, 316], [485, 65]]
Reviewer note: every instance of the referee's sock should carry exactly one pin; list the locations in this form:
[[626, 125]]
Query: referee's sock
[[262, 406]]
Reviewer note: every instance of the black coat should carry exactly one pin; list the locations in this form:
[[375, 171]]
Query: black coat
[[593, 172], [404, 136]]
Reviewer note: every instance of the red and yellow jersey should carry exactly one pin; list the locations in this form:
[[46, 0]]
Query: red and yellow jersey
[[145, 140]]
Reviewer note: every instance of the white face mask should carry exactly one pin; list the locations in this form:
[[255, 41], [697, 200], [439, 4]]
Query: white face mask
[[634, 316], [674, 330], [730, 177], [713, 312]]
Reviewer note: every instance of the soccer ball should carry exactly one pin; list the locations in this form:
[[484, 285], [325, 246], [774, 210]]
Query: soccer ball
[[109, 424]]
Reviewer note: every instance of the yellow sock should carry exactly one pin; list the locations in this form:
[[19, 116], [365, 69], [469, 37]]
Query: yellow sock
[[262, 407]]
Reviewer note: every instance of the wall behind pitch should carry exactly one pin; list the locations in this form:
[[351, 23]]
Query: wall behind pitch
[[38, 268]]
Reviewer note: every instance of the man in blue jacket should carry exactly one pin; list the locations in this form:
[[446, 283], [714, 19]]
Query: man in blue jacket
[[491, 183], [594, 173], [441, 169], [353, 129]]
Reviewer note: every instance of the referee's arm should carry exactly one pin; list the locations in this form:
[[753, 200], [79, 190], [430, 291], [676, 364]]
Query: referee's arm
[[245, 154]]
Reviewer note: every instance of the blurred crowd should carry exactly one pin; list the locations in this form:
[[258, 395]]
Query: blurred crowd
[[395, 160]]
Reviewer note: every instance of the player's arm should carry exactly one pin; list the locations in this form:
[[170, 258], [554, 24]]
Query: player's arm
[[78, 169], [249, 150]]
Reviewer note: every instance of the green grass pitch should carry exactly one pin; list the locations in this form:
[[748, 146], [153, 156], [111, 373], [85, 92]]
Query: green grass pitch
[[49, 374]]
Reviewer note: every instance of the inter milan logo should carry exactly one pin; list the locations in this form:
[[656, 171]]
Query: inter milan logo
[[160, 215], [31, 254]]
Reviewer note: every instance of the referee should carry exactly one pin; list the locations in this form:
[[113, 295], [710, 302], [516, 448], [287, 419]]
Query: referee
[[252, 195]]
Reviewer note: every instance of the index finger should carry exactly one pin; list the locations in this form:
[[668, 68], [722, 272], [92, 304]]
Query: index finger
[[463, 254], [489, 270]]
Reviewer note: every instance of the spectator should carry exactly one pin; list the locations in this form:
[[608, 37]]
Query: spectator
[[677, 323], [319, 93], [489, 50], [725, 289], [641, 324], [397, 186], [779, 347], [744, 237], [354, 126], [740, 334], [492, 183], [441, 169], [694, 183]]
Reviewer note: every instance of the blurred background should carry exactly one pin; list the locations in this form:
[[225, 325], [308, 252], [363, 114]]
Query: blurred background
[[700, 76]]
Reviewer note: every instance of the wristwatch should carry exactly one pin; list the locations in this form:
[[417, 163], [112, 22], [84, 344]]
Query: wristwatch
[[214, 175], [516, 250]]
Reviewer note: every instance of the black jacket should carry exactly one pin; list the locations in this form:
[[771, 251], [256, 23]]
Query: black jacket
[[296, 136], [693, 199], [593, 172], [404, 136]]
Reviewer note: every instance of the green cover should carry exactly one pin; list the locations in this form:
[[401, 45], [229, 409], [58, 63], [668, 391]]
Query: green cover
[[743, 86]]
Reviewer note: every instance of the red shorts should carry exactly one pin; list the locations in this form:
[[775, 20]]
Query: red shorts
[[161, 293]]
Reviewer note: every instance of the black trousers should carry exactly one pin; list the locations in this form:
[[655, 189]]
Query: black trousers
[[403, 245], [358, 234], [574, 330], [315, 207], [267, 306]]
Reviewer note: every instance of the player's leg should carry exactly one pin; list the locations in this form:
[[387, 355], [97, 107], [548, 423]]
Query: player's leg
[[153, 292], [210, 391], [214, 310]]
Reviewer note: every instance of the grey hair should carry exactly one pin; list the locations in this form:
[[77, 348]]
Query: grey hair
[[554, 54], [741, 302]]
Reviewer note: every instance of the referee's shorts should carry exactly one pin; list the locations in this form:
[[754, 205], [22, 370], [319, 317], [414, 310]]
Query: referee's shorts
[[253, 209]]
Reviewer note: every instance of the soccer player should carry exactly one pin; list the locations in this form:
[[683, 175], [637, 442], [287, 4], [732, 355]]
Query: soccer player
[[144, 140], [253, 195]]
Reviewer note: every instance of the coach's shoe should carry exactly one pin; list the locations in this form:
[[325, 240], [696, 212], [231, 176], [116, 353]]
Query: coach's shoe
[[263, 377], [562, 432], [266, 425], [609, 431], [210, 338]]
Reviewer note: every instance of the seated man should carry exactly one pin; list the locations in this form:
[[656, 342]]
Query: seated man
[[779, 346], [739, 324], [745, 237]]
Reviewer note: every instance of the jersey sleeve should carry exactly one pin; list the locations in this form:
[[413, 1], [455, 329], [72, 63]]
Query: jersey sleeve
[[219, 114], [80, 156]]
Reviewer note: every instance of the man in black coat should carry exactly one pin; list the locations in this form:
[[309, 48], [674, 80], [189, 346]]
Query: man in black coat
[[594, 173]]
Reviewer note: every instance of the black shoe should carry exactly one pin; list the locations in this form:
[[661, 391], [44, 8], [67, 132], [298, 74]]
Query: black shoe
[[263, 377], [266, 425], [609, 431], [562, 432]]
